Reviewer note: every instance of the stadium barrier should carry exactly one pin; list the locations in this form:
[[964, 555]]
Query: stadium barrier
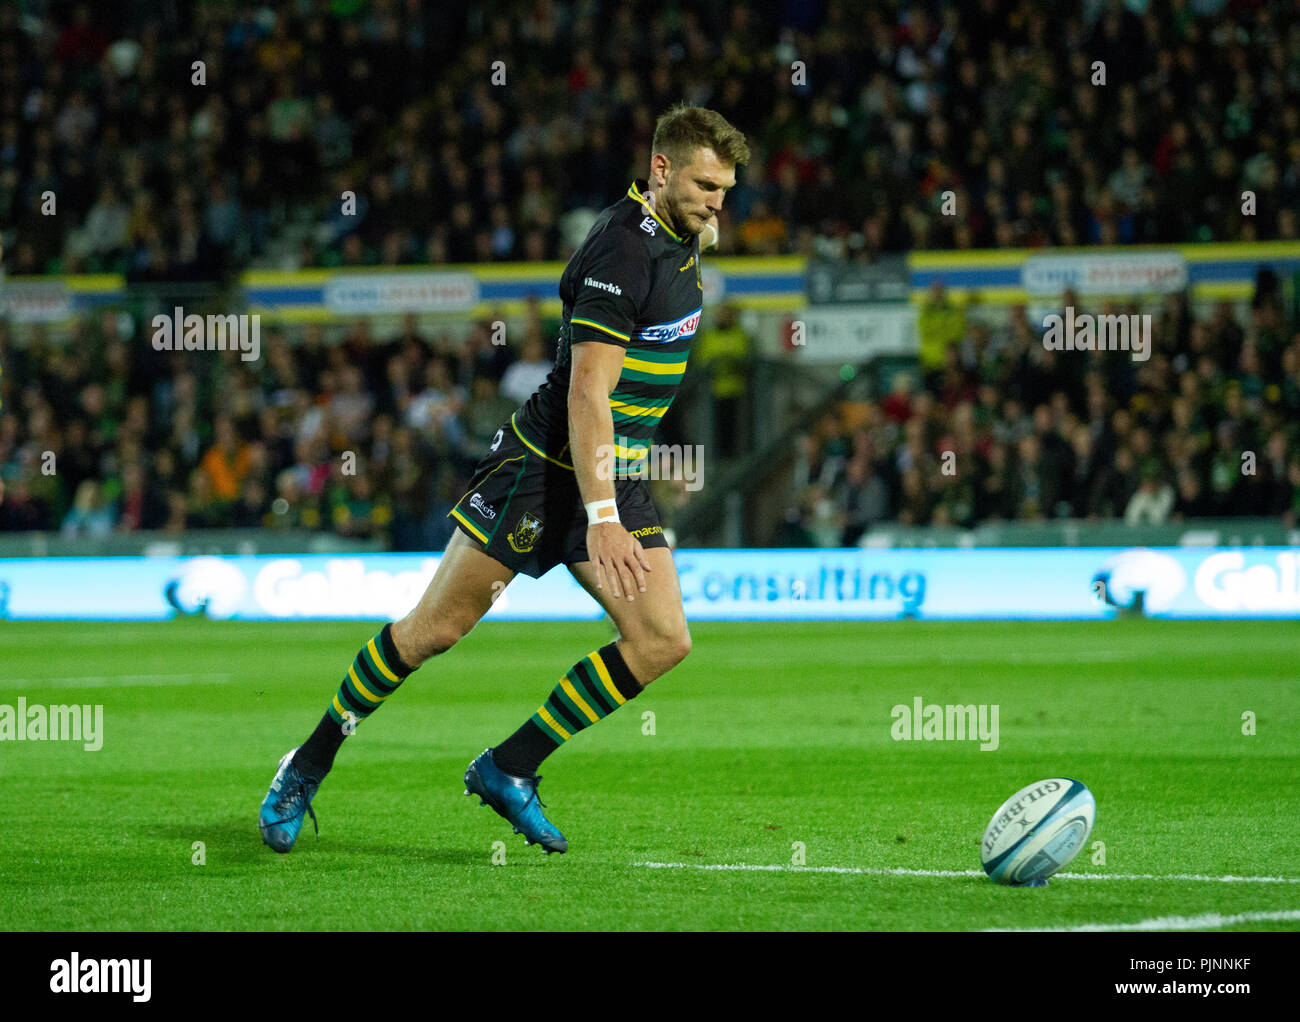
[[1198, 532], [1223, 271], [1092, 583], [191, 543]]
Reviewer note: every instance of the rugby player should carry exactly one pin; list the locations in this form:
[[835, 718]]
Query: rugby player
[[560, 486]]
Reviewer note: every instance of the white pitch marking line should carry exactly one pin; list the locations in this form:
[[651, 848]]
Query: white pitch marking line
[[869, 871], [106, 680], [724, 867], [1208, 921], [1200, 878]]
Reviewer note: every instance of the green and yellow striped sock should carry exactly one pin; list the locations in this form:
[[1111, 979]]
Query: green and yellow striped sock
[[370, 680], [374, 675], [591, 690]]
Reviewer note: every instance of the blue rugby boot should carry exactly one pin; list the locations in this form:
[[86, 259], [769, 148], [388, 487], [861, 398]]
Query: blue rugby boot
[[285, 804], [515, 799]]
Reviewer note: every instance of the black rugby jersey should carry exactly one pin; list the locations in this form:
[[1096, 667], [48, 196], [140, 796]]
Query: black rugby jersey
[[635, 283]]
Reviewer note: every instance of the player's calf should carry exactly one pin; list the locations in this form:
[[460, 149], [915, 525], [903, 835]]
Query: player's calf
[[374, 676], [590, 690], [376, 672], [418, 640], [506, 777]]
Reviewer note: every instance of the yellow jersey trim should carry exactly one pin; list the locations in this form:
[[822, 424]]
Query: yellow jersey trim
[[597, 326], [636, 194]]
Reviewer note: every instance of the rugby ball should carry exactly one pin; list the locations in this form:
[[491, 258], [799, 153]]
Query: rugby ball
[[1037, 831]]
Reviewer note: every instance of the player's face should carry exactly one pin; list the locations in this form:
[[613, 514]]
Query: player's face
[[692, 194]]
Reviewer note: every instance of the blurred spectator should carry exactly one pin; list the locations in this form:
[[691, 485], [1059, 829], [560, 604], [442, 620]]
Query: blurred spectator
[[864, 499], [355, 510], [1190, 501], [940, 324], [91, 514], [484, 413], [723, 352], [529, 371], [1152, 502], [898, 404], [226, 462], [763, 232], [435, 409]]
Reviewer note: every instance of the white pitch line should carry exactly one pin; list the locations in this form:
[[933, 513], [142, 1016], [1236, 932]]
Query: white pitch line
[[107, 680], [727, 867], [993, 657], [1208, 921], [870, 871], [1200, 878]]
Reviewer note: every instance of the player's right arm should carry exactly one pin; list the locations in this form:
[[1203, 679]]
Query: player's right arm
[[619, 558], [615, 281]]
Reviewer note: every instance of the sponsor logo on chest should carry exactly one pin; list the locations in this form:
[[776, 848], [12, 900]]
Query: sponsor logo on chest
[[662, 333]]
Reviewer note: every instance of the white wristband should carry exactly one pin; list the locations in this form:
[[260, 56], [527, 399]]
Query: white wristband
[[712, 241], [602, 511]]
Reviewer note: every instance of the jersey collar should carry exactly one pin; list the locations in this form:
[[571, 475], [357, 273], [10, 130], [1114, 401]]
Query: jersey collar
[[638, 192]]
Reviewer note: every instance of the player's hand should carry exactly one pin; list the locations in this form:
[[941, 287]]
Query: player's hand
[[619, 558]]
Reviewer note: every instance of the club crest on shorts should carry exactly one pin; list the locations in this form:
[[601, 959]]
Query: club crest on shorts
[[524, 536]]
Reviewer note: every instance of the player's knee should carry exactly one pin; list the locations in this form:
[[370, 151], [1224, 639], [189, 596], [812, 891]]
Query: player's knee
[[680, 647], [419, 641], [663, 651]]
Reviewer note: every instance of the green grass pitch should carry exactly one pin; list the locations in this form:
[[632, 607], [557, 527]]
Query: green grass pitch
[[768, 735]]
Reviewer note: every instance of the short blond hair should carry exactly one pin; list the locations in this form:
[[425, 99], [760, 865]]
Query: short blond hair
[[684, 129]]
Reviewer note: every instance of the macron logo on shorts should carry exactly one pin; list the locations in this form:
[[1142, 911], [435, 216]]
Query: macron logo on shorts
[[613, 289]]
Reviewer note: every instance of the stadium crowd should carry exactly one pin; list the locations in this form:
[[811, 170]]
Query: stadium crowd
[[994, 427], [476, 132], [169, 171], [377, 438], [359, 437]]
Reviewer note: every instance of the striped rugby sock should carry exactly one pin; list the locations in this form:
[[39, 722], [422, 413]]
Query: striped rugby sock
[[373, 677], [593, 688]]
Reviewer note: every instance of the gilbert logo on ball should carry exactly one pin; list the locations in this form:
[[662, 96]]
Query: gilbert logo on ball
[[1037, 831]]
